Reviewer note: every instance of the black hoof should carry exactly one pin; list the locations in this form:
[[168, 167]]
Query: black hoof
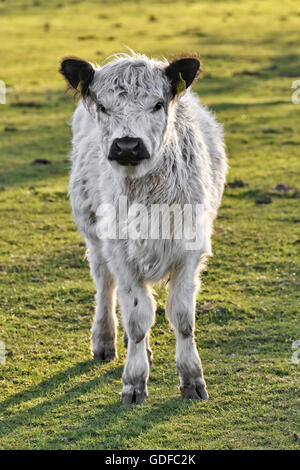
[[106, 352], [195, 391], [136, 396]]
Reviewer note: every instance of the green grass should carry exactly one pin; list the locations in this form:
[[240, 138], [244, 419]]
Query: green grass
[[52, 396]]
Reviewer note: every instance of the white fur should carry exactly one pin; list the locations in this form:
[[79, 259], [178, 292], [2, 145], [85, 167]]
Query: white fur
[[187, 165]]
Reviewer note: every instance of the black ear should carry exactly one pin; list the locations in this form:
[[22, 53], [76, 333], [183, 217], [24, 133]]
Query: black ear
[[182, 73], [78, 73]]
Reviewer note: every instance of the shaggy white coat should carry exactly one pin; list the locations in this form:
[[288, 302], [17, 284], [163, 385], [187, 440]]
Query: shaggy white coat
[[187, 166]]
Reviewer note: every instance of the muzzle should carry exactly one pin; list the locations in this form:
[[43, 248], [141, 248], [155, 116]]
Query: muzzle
[[128, 151]]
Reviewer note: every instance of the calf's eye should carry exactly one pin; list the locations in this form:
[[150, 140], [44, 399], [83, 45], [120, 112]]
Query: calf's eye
[[158, 106], [101, 108]]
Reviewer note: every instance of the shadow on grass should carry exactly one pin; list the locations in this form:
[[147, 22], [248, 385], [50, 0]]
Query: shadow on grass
[[129, 422], [50, 385], [143, 418], [236, 106]]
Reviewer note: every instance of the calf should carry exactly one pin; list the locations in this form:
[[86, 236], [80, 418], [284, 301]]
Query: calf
[[142, 138]]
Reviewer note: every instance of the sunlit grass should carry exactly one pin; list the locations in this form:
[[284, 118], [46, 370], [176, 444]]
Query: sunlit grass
[[52, 395]]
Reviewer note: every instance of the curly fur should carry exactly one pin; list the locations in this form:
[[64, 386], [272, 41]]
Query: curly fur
[[187, 165]]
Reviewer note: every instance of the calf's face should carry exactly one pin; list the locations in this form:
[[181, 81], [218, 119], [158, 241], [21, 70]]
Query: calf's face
[[130, 99]]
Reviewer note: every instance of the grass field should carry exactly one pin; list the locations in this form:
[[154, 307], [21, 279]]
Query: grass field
[[52, 395]]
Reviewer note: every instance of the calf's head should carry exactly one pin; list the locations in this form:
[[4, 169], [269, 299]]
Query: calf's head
[[130, 99]]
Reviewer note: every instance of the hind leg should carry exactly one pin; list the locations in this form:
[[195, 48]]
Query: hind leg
[[103, 341]]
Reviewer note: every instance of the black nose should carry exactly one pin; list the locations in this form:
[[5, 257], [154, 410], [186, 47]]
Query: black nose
[[128, 151]]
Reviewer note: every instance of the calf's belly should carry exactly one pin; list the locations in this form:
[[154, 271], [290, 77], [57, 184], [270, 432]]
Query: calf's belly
[[147, 259]]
